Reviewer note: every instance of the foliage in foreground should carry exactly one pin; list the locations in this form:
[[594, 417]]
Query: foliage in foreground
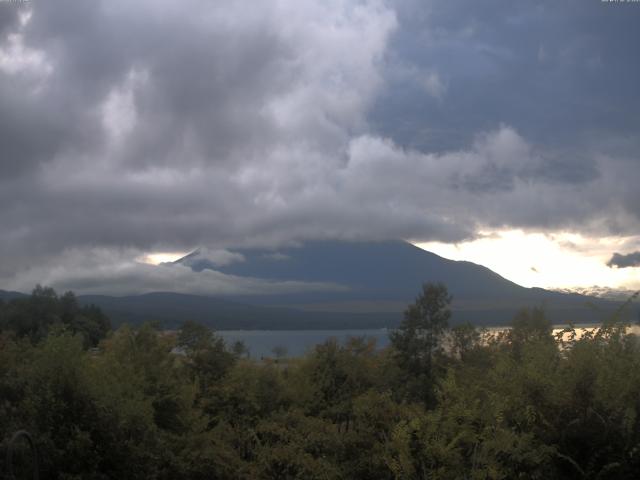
[[149, 405]]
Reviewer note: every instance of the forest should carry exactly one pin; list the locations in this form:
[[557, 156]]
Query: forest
[[440, 403]]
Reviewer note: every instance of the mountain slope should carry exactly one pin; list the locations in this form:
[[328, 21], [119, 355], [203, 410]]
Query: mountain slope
[[386, 276], [371, 270], [380, 280], [8, 295]]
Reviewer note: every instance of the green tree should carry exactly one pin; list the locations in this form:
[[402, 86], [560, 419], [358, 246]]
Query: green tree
[[35, 316], [207, 357], [280, 352], [463, 340], [418, 339]]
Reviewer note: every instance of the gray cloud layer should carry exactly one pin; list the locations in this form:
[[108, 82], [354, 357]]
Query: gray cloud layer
[[171, 125], [625, 261], [118, 273]]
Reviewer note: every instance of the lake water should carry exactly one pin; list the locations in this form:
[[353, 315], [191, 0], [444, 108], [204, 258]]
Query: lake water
[[261, 343], [296, 342]]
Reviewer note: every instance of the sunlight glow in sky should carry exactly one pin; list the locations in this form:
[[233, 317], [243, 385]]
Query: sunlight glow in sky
[[560, 260], [156, 258]]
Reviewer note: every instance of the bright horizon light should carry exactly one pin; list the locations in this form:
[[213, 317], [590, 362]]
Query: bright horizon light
[[156, 258], [561, 260]]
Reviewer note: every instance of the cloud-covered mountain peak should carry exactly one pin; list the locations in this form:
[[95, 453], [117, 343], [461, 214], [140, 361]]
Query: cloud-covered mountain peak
[[204, 258]]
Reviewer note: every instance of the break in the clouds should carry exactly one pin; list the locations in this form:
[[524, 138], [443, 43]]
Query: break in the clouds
[[164, 125], [625, 261]]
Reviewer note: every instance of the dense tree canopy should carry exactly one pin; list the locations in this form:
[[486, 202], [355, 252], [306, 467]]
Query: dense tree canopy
[[150, 404], [33, 317]]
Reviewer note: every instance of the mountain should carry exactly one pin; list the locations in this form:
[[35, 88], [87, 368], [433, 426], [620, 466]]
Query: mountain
[[171, 309], [8, 295], [376, 280], [370, 270], [615, 294], [383, 277]]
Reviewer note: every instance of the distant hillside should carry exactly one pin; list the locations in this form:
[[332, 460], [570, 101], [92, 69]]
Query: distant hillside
[[616, 294], [171, 309], [7, 295]]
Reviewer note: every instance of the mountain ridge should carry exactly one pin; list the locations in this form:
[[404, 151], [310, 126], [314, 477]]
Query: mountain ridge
[[381, 279], [391, 273]]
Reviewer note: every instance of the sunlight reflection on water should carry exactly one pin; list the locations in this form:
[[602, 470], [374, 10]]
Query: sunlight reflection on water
[[261, 343]]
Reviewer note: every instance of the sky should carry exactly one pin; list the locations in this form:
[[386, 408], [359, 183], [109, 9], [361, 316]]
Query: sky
[[500, 132]]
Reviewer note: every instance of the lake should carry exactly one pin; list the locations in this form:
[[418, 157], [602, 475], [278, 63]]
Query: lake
[[297, 342], [261, 343]]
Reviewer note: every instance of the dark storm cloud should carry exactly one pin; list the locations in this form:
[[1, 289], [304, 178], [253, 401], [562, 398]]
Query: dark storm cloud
[[555, 71], [9, 14], [172, 125], [562, 74], [624, 261]]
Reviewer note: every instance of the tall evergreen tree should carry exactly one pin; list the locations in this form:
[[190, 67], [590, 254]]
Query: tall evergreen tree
[[419, 337]]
